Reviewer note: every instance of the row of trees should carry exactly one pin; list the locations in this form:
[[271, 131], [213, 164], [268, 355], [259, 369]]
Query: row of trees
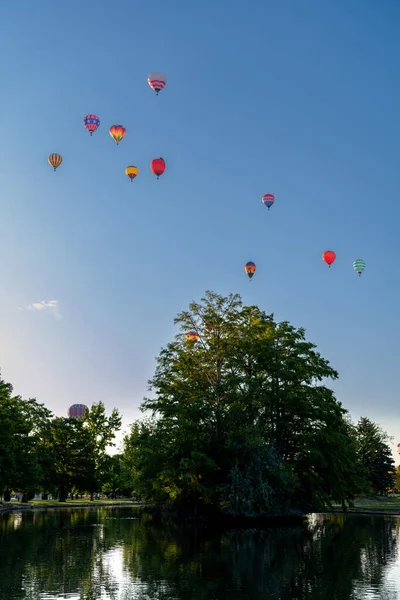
[[241, 422], [54, 455]]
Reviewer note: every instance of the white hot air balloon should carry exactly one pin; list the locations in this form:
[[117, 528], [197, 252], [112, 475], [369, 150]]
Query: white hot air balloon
[[157, 81]]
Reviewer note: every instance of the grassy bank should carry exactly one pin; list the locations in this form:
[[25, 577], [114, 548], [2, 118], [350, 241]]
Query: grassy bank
[[36, 504], [374, 505]]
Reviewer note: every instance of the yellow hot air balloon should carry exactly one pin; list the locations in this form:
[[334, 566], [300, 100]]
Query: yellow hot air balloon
[[131, 172], [55, 160]]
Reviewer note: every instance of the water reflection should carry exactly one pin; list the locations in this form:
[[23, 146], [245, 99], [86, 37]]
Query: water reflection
[[111, 554]]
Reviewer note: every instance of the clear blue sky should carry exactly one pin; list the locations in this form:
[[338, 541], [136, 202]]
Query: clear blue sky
[[298, 99]]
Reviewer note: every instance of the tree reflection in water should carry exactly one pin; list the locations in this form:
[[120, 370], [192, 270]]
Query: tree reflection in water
[[88, 554]]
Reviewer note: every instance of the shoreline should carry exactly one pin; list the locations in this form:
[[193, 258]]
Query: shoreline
[[15, 507]]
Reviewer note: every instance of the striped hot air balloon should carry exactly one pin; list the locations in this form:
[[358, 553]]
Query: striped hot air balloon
[[268, 200], [131, 172], [359, 265], [157, 81], [77, 411], [91, 123], [250, 269], [117, 132], [192, 336], [55, 160]]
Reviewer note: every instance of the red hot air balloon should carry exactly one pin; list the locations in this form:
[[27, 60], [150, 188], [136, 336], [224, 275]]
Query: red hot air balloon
[[329, 257], [398, 448], [157, 166], [77, 411]]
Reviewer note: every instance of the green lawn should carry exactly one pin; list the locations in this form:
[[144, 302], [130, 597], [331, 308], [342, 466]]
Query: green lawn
[[71, 503], [375, 504]]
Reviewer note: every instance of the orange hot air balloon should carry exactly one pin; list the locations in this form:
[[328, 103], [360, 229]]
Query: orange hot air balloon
[[117, 132], [250, 269], [192, 336], [55, 160], [328, 257], [157, 166]]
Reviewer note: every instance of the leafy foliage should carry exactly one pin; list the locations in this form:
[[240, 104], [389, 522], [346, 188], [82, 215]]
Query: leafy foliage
[[241, 421]]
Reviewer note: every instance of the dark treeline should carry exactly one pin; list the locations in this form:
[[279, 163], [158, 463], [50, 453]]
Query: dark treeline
[[240, 422]]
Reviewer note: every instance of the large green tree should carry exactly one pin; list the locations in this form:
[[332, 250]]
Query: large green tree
[[241, 419]]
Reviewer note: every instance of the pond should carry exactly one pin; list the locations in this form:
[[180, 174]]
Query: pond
[[116, 554]]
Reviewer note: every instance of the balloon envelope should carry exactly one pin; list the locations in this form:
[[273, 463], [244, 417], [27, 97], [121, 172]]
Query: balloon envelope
[[77, 411], [250, 269], [131, 172], [117, 132], [359, 265], [192, 336], [91, 123], [268, 200], [55, 160], [328, 257], [157, 81], [157, 166]]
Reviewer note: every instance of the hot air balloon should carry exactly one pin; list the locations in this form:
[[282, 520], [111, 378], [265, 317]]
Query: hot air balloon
[[157, 166], [131, 172], [209, 327], [77, 411], [91, 123], [250, 269], [359, 265], [117, 132], [157, 81], [192, 336], [328, 256], [55, 160], [398, 448], [268, 200]]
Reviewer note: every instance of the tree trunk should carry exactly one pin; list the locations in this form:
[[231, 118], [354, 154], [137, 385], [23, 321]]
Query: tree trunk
[[63, 495]]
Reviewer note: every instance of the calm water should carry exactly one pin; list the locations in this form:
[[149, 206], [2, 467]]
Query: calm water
[[111, 554]]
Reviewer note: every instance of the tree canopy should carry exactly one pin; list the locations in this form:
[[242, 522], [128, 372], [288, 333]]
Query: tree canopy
[[241, 420]]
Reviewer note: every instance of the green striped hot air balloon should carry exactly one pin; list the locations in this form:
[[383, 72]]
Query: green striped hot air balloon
[[359, 265]]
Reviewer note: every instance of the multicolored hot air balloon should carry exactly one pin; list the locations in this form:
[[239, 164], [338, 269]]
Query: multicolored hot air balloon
[[192, 336], [157, 81], [157, 166], [77, 411], [91, 123], [268, 200], [359, 265], [131, 172], [250, 269], [55, 160], [328, 257], [117, 132]]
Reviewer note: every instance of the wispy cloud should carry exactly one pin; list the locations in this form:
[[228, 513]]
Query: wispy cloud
[[50, 305]]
